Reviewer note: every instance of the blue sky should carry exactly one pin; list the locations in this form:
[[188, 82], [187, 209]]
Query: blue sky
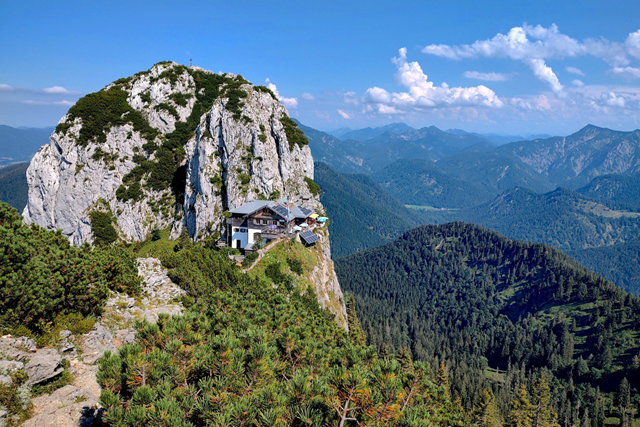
[[507, 67]]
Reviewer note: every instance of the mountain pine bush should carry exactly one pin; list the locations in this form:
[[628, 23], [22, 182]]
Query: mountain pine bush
[[43, 276], [248, 354]]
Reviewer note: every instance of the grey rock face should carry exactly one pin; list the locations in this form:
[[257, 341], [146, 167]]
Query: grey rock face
[[326, 283], [5, 380], [126, 336], [231, 157], [10, 366], [20, 348], [44, 365], [67, 406], [227, 152], [96, 343], [228, 161]]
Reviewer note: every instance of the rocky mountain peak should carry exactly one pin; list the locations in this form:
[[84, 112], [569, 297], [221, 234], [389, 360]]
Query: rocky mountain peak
[[173, 146]]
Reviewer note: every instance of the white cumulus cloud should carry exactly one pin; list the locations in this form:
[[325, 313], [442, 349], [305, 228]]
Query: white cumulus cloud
[[626, 72], [633, 44], [424, 94], [535, 44], [490, 77], [287, 102], [308, 96], [610, 99], [544, 73], [574, 70], [55, 89], [6, 87], [344, 115], [578, 83]]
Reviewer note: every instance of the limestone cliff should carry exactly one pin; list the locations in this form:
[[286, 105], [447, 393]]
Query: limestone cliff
[[172, 147]]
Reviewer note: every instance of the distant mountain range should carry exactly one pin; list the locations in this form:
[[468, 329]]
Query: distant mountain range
[[494, 172], [353, 156], [621, 191], [571, 161], [367, 214], [20, 144], [562, 218], [500, 139], [462, 180], [369, 133], [575, 160], [423, 183], [366, 134]]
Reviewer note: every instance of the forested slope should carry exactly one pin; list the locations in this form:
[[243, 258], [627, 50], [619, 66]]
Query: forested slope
[[259, 351], [562, 218], [494, 172], [13, 185], [421, 182], [362, 215], [619, 190], [478, 301], [618, 263]]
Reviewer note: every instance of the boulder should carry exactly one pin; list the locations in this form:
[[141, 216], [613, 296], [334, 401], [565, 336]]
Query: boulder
[[96, 343], [5, 380], [44, 365], [67, 406], [67, 347], [16, 348], [125, 336], [10, 366]]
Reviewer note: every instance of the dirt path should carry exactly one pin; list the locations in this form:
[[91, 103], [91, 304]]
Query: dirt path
[[262, 252]]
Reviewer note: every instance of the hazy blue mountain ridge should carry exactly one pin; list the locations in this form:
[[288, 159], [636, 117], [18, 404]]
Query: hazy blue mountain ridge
[[20, 144], [369, 133], [576, 159], [13, 185], [421, 182]]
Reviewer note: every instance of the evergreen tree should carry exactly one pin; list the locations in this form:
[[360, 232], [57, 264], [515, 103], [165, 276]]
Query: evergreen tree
[[624, 399], [521, 414], [355, 330], [486, 413], [442, 379], [384, 352], [404, 358], [543, 415]]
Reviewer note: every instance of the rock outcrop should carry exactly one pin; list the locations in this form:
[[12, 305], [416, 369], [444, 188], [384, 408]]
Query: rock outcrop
[[67, 406], [171, 147], [44, 365], [158, 297]]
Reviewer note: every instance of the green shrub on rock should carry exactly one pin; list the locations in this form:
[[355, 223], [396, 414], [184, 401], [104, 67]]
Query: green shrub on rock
[[249, 354], [43, 276]]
